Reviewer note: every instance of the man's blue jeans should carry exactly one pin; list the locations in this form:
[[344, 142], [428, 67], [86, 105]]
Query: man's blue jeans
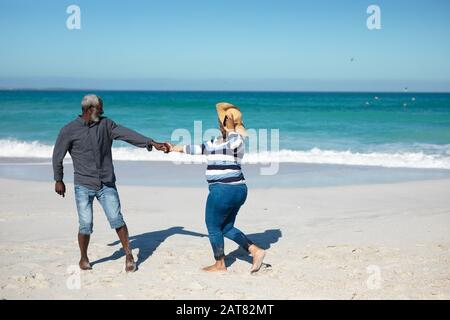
[[109, 200], [222, 206]]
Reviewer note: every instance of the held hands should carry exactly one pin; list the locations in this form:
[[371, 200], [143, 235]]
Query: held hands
[[174, 148], [164, 146], [171, 146]]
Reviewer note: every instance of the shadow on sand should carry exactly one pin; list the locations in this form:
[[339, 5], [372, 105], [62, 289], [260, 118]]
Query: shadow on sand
[[147, 243], [263, 240]]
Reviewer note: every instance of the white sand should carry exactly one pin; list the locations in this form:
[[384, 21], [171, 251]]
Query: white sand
[[388, 241]]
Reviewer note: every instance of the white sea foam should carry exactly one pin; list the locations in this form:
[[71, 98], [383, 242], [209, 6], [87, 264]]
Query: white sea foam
[[19, 149], [10, 148]]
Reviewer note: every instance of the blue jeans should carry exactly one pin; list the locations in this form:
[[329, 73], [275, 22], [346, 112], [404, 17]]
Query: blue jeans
[[109, 200], [222, 206]]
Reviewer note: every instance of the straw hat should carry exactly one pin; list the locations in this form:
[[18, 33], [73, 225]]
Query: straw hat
[[225, 108]]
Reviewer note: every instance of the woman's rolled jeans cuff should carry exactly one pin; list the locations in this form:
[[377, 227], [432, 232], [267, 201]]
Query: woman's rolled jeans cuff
[[219, 253]]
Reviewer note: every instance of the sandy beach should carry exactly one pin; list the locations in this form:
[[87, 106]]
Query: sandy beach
[[377, 241], [335, 115]]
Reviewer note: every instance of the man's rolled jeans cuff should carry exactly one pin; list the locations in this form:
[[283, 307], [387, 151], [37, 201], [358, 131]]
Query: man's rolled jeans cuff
[[116, 224], [85, 230]]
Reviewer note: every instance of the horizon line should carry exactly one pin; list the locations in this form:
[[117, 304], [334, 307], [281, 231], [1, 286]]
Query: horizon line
[[219, 90]]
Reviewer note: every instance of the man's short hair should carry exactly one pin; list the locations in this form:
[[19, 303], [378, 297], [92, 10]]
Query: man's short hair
[[89, 101]]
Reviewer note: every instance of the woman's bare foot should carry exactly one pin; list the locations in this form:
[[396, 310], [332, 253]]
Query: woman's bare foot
[[130, 265], [218, 266], [258, 255], [84, 264]]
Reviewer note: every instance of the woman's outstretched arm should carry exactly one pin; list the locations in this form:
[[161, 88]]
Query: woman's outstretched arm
[[176, 148], [188, 149]]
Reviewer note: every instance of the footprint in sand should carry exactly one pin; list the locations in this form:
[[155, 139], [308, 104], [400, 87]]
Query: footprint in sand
[[229, 295], [33, 280], [9, 286], [196, 286]]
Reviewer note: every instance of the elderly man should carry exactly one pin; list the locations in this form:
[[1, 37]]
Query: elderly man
[[88, 139]]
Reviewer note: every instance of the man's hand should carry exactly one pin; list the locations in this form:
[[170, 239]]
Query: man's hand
[[60, 188], [161, 146]]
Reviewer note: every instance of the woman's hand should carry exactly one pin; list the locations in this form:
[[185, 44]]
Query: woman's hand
[[229, 123], [175, 148]]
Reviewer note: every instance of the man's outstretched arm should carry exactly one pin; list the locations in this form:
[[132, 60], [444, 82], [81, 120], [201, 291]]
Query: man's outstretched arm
[[122, 133]]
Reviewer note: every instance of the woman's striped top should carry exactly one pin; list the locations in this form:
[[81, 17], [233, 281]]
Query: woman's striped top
[[224, 158]]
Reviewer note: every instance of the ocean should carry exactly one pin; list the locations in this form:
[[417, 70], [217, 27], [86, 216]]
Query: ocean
[[392, 130]]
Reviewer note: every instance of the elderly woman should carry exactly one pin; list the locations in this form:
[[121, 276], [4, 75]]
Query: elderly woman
[[227, 187]]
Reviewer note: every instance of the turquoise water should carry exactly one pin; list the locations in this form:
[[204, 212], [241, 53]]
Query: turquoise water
[[388, 129]]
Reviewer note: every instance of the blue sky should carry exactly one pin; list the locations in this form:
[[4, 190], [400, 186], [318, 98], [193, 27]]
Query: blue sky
[[236, 45]]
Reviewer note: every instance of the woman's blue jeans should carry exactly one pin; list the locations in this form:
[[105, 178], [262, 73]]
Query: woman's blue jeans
[[222, 206]]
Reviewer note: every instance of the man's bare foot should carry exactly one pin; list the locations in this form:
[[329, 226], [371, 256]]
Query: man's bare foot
[[84, 264], [258, 255], [218, 266], [130, 265]]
